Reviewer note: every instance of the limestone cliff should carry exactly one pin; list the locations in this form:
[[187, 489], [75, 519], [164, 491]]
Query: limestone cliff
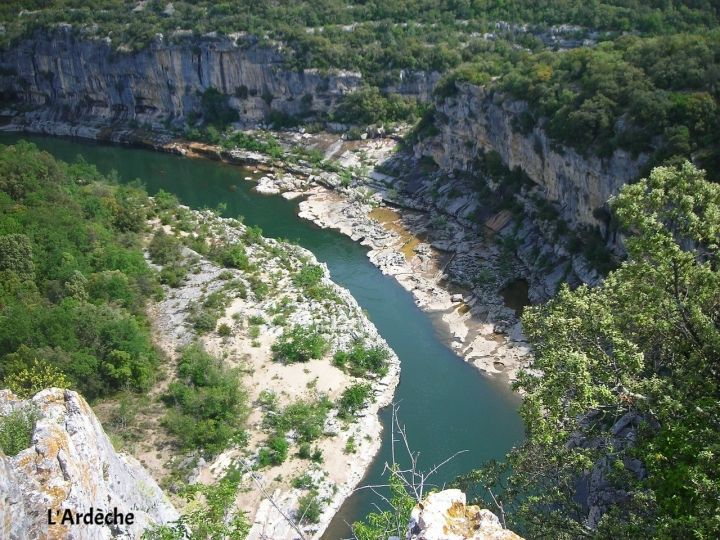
[[446, 516], [63, 77], [72, 465], [477, 119], [71, 78]]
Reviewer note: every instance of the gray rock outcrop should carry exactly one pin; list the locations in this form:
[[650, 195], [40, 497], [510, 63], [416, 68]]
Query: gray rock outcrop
[[477, 119], [64, 77], [67, 78], [71, 464], [447, 516]]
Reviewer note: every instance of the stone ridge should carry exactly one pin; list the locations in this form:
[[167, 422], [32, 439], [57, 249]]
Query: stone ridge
[[445, 515], [72, 465]]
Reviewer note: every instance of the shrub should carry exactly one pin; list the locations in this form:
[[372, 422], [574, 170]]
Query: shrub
[[253, 234], [165, 200], [30, 380], [309, 279], [303, 481], [165, 248], [204, 321], [207, 404], [224, 330], [304, 451], [275, 453], [359, 360], [306, 418], [353, 399], [233, 256], [16, 430], [299, 344], [259, 288], [317, 456], [309, 276], [173, 276], [309, 508], [350, 446]]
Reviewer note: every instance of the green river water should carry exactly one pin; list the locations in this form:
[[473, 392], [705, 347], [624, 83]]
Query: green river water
[[445, 404]]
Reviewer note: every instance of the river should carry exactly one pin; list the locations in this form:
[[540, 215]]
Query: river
[[445, 404]]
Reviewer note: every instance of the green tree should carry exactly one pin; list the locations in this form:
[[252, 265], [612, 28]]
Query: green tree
[[16, 254], [641, 349]]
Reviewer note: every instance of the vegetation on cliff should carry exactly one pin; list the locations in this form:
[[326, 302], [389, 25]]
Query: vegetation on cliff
[[623, 395], [352, 34], [74, 279], [650, 95]]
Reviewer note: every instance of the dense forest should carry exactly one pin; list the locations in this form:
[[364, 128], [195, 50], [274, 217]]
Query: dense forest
[[346, 33], [654, 95], [74, 280]]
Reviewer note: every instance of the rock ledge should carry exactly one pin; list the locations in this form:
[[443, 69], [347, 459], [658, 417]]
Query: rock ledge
[[71, 464], [447, 516]]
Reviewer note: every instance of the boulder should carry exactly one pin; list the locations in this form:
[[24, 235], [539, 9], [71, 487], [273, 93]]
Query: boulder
[[447, 516]]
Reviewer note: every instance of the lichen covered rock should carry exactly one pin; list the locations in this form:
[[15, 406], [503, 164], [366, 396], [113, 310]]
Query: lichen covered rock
[[447, 516], [71, 464]]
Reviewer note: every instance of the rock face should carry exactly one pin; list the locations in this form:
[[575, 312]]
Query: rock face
[[476, 120], [62, 77], [86, 80], [72, 465], [446, 516]]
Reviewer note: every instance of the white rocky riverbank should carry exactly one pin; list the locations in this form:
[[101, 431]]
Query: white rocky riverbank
[[255, 322], [479, 327]]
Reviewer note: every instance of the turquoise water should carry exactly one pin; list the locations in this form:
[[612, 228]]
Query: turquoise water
[[445, 404]]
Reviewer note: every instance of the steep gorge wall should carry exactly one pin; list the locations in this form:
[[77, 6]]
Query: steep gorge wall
[[476, 120], [62, 77]]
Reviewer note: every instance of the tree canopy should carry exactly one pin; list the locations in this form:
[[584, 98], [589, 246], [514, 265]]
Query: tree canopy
[[624, 386], [73, 277]]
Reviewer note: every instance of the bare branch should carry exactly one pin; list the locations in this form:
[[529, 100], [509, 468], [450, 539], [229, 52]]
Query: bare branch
[[267, 496]]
